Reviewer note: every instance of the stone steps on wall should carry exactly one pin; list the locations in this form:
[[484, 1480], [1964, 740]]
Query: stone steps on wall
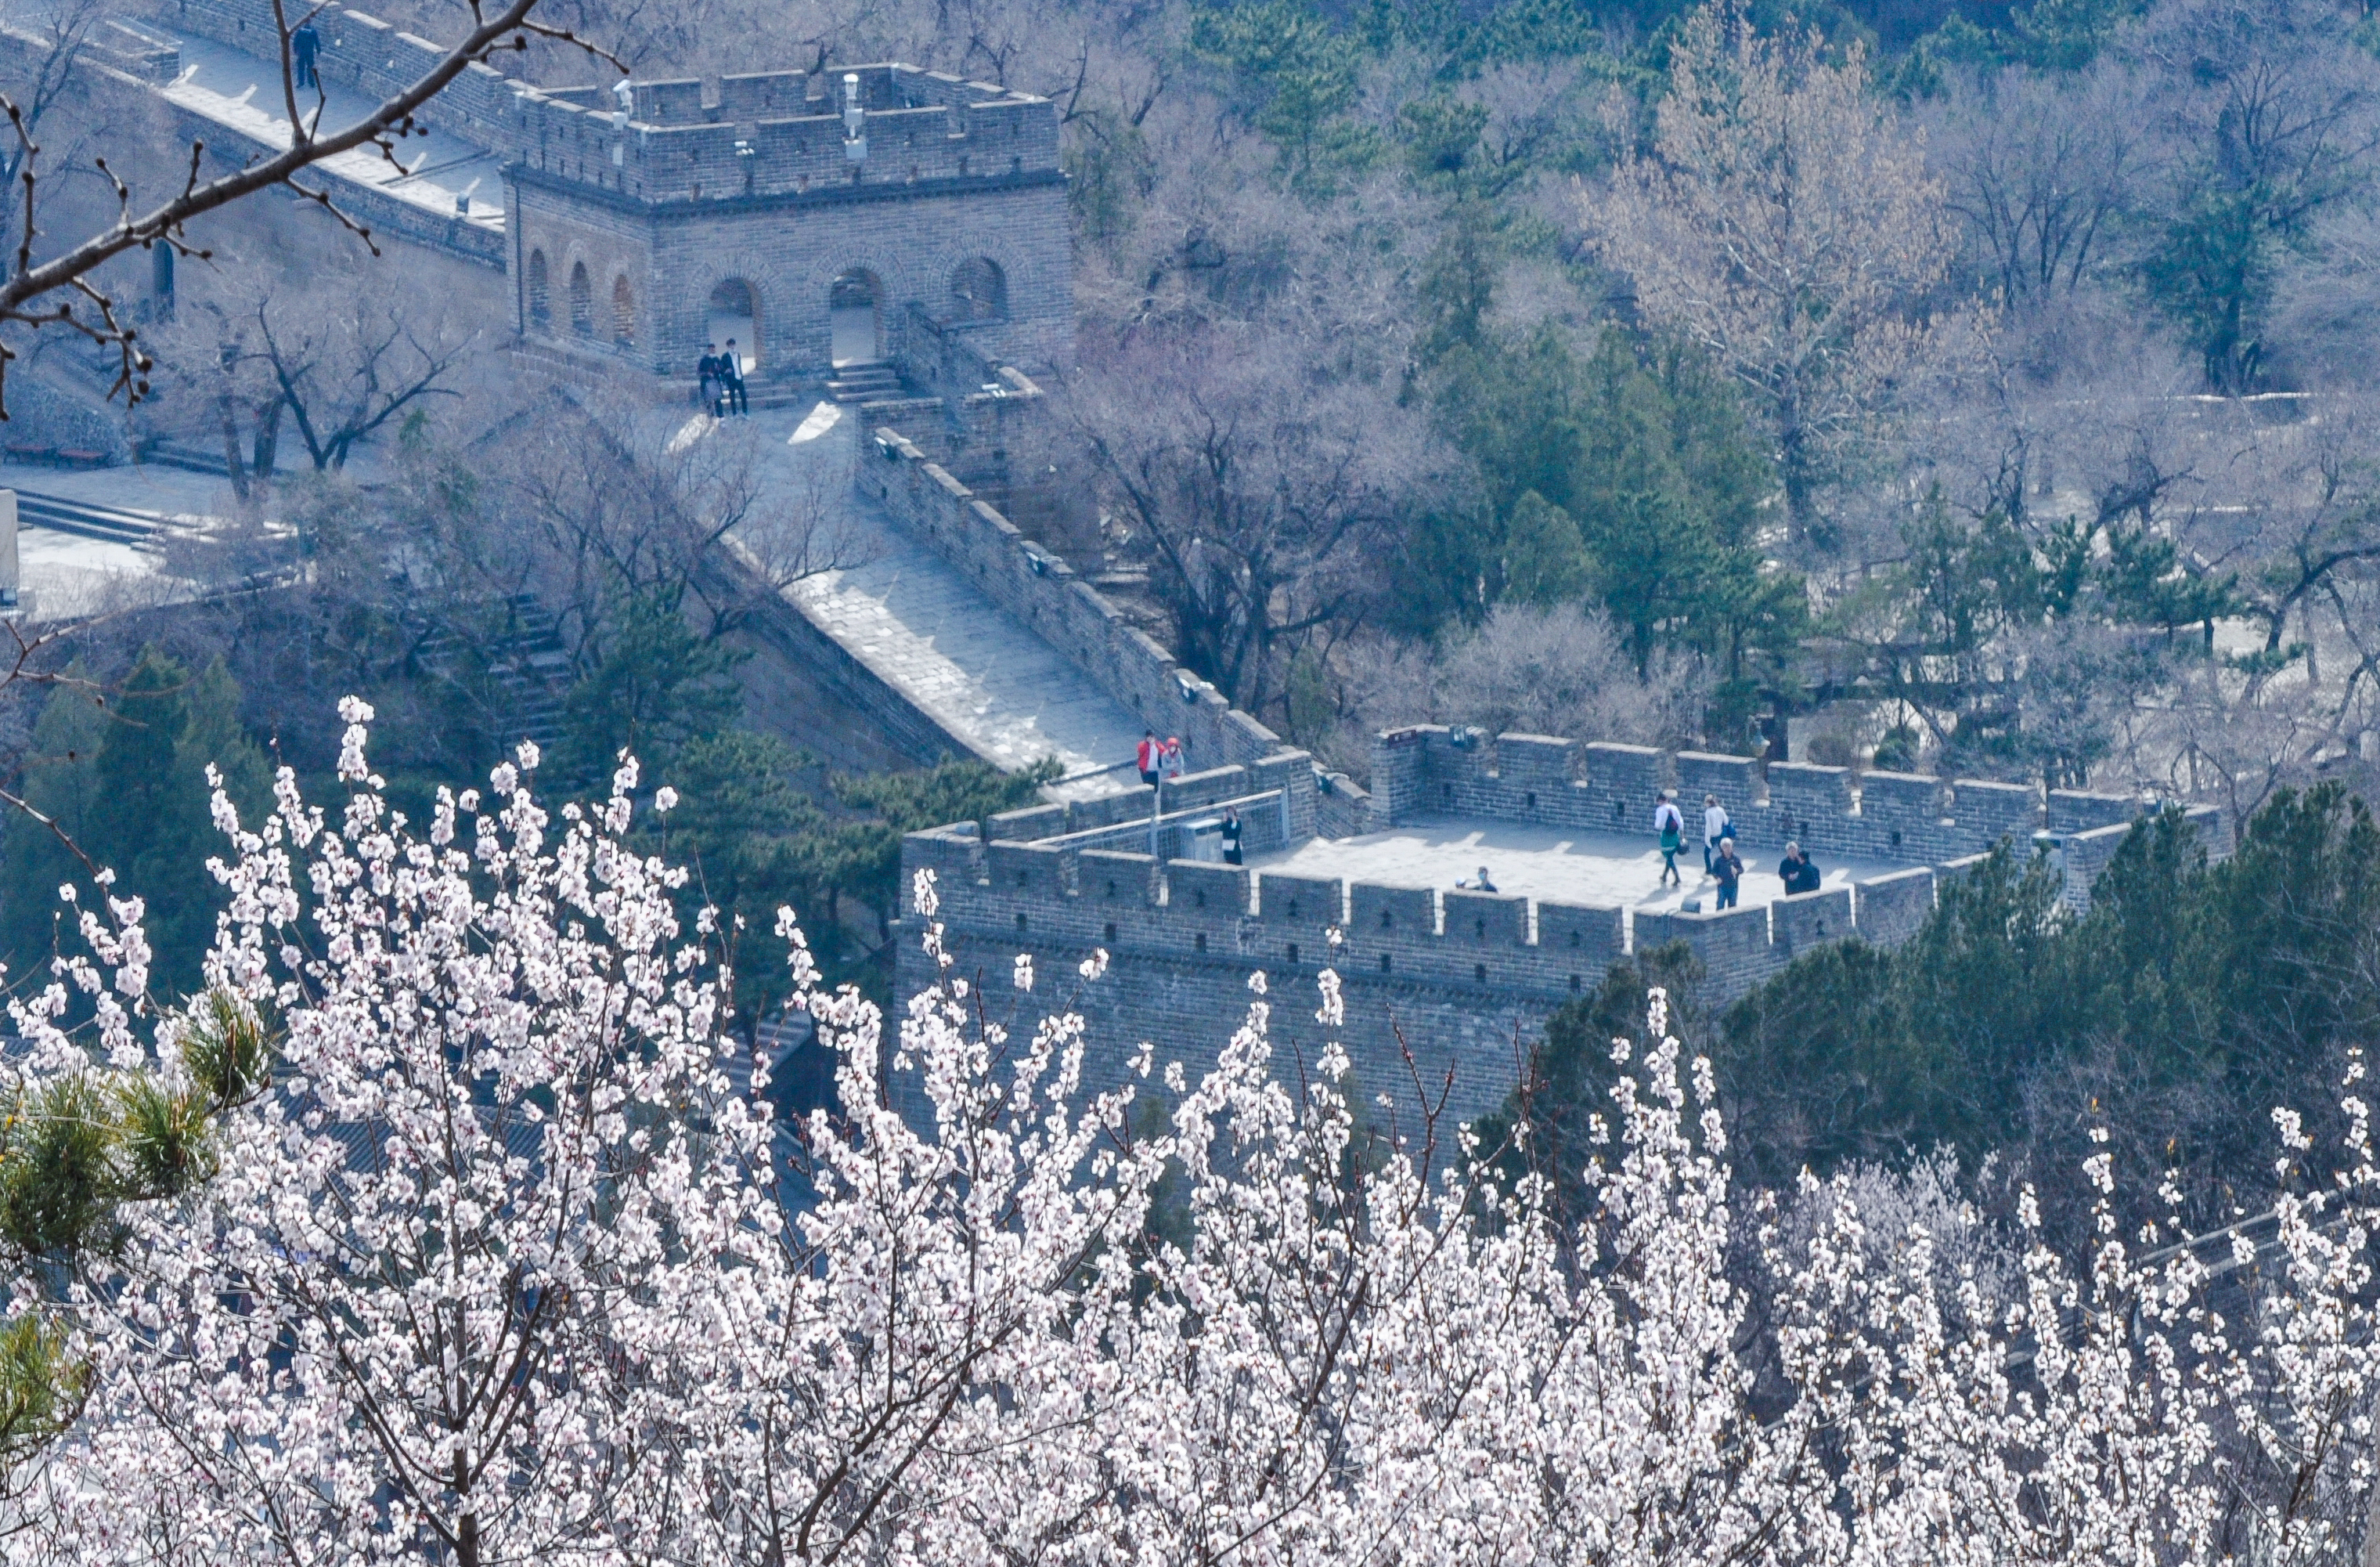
[[865, 384], [527, 661]]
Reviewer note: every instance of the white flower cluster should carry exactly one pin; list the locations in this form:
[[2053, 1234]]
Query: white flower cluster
[[502, 1271]]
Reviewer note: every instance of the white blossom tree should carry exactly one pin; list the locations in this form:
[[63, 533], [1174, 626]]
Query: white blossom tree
[[494, 1265]]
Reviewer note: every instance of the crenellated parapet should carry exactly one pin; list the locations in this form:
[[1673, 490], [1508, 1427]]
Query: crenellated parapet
[[1430, 770], [996, 883], [1436, 979], [786, 136]]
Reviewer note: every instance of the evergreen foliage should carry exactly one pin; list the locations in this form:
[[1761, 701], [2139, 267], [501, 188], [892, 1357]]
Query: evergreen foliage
[[125, 779], [2187, 1002], [1618, 479]]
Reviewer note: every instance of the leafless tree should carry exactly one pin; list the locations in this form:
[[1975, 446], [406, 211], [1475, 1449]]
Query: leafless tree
[[610, 501], [1565, 671], [1262, 495], [2041, 173], [43, 72], [2271, 115], [1784, 219], [345, 369]]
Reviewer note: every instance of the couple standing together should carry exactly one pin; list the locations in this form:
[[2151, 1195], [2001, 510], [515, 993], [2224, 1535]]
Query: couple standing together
[[721, 381]]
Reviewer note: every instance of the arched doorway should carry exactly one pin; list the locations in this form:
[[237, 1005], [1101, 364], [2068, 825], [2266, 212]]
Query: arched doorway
[[852, 305], [541, 303], [735, 313], [582, 301], [979, 291], [623, 313]]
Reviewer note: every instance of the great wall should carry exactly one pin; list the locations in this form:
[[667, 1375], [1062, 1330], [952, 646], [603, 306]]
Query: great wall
[[1463, 980], [628, 217]]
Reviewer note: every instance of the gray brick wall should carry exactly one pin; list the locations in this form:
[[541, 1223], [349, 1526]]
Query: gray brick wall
[[1889, 908], [757, 188], [1420, 770], [1042, 590], [788, 252], [1465, 968]]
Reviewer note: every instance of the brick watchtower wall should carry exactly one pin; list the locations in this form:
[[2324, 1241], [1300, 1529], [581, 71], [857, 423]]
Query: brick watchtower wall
[[957, 211], [1462, 981]]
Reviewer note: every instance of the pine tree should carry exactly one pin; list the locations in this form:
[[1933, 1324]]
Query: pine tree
[[125, 778]]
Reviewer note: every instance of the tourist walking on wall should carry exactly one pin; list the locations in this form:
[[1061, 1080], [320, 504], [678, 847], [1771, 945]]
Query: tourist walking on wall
[[1715, 826], [1146, 757], [1169, 757], [708, 379], [1230, 836], [1730, 871], [305, 46], [1671, 823]]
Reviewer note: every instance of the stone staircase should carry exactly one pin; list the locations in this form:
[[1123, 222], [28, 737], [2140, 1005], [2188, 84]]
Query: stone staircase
[[865, 384], [524, 658], [87, 519]]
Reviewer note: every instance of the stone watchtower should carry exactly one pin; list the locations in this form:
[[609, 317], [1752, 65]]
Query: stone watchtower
[[813, 218]]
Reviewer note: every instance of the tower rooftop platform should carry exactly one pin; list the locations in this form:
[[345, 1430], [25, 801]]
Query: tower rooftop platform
[[1557, 865]]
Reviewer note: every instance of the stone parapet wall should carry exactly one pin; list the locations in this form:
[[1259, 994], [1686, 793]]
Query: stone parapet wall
[[1043, 592], [921, 126], [1014, 877], [361, 52], [1445, 974], [1468, 1043], [1431, 769], [1463, 980]]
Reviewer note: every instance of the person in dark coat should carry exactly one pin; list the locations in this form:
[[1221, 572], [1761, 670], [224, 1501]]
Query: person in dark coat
[[731, 374], [706, 370], [1796, 871], [1730, 871], [1230, 836]]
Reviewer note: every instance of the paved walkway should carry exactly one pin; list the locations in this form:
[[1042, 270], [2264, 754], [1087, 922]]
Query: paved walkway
[[139, 487], [243, 93], [923, 629], [1557, 865], [63, 575]]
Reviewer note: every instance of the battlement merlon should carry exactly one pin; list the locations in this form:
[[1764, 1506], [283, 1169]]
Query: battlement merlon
[[784, 134]]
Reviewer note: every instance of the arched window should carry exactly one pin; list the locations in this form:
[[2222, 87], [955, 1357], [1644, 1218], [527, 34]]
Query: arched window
[[978, 291], [541, 305], [623, 312], [735, 317], [582, 301]]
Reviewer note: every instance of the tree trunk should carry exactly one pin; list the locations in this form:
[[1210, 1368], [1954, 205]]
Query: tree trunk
[[232, 465], [268, 440]]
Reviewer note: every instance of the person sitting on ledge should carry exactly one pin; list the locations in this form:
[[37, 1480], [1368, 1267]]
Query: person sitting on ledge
[[1479, 883]]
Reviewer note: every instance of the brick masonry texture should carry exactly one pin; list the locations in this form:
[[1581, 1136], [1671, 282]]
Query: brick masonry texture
[[1043, 592]]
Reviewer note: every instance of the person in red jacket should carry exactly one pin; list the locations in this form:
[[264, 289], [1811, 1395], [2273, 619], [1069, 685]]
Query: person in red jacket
[[1148, 757]]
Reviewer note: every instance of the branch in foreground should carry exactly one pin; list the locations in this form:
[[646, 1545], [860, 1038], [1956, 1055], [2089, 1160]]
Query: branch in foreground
[[165, 223]]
